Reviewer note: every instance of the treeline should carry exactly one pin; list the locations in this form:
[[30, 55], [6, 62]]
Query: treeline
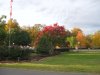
[[45, 38]]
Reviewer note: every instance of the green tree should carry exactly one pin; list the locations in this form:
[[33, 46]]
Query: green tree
[[19, 37], [2, 21], [71, 40], [44, 46], [10, 27], [2, 30], [2, 36]]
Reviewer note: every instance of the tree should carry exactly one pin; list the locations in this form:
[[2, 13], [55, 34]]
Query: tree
[[34, 31], [80, 37], [12, 24], [96, 40], [75, 31], [19, 37], [89, 41], [56, 35], [81, 40], [71, 40], [2, 36], [2, 30], [2, 17], [2, 21], [44, 46], [68, 33]]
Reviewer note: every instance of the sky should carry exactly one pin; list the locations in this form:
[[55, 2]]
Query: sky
[[84, 14]]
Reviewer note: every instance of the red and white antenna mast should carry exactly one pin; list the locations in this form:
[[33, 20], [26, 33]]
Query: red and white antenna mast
[[11, 9]]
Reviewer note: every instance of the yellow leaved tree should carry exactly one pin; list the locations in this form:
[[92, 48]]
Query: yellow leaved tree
[[96, 40], [11, 24]]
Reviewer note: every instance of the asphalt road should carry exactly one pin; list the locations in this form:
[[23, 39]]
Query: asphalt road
[[10, 71]]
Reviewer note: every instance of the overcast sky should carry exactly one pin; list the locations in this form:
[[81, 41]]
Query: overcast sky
[[84, 14]]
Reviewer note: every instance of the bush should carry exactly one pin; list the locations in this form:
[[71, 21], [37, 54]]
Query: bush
[[14, 53], [3, 52], [44, 46]]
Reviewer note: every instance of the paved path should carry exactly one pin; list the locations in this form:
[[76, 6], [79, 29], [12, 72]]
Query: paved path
[[10, 71]]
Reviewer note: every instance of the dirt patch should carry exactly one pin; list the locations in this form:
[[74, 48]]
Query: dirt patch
[[33, 58]]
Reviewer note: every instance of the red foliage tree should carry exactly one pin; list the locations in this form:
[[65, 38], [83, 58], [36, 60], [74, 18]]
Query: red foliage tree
[[53, 32]]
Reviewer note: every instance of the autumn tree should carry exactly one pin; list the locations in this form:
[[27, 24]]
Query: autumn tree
[[89, 41], [96, 40], [75, 31], [81, 39], [12, 24], [68, 33], [56, 35], [33, 32]]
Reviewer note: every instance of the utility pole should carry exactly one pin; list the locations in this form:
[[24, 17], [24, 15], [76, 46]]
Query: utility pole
[[10, 19]]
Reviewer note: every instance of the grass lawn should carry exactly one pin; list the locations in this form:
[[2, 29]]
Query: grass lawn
[[67, 62]]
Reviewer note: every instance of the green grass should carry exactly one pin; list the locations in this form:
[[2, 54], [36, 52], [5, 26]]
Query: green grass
[[66, 62], [80, 58]]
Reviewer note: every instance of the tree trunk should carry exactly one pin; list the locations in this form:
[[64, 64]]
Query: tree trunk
[[51, 52]]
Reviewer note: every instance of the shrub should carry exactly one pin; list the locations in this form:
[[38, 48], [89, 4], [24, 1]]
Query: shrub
[[14, 53], [3, 52], [44, 46]]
